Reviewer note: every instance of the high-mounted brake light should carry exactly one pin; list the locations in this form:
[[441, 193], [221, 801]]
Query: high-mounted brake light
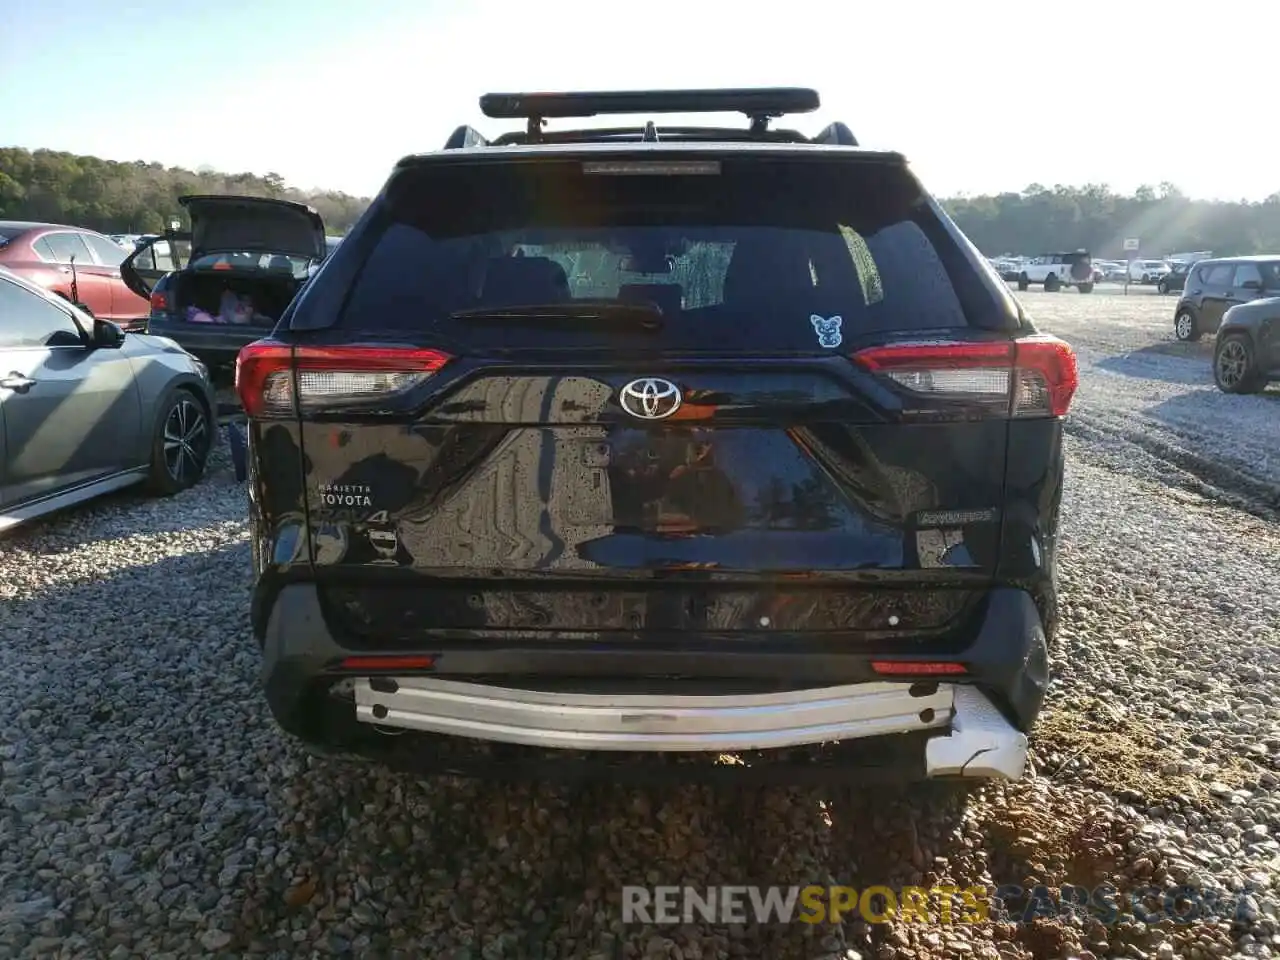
[[1034, 376], [652, 168], [268, 375]]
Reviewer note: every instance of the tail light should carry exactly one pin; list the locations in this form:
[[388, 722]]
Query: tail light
[[159, 301], [268, 375], [1033, 376]]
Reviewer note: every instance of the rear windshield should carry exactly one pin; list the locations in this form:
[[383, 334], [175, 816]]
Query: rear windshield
[[253, 261], [763, 253]]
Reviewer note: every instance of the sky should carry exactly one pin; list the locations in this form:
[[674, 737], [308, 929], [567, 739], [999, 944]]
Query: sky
[[981, 96]]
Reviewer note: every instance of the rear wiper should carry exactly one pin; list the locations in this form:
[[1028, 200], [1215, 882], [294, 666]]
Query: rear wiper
[[572, 313]]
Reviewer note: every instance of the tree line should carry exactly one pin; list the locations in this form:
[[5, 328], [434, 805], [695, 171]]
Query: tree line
[[110, 196], [139, 197], [1093, 217]]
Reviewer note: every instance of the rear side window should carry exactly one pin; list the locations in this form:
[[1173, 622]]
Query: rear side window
[[1245, 273], [750, 255], [1218, 275], [63, 247], [108, 253]]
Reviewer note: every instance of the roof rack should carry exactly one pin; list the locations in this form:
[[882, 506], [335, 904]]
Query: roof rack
[[760, 105]]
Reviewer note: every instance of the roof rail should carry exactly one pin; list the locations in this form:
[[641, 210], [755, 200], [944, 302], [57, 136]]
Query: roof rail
[[759, 104], [465, 136], [837, 134]]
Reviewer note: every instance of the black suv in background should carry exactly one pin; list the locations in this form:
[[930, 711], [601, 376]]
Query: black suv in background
[[1246, 350], [1175, 279], [645, 440], [1214, 286]]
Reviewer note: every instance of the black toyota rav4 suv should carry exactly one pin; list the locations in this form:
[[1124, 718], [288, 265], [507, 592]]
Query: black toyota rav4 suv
[[606, 446]]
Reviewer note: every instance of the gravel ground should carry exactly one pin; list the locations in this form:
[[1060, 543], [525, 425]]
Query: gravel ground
[[1148, 404], [149, 808]]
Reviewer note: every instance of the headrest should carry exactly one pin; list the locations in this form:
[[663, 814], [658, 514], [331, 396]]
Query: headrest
[[767, 270], [510, 281]]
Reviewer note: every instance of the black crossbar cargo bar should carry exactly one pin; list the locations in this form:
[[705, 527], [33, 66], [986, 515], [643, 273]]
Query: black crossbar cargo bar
[[760, 105], [764, 102]]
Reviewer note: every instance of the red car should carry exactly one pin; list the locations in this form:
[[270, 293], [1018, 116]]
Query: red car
[[53, 256]]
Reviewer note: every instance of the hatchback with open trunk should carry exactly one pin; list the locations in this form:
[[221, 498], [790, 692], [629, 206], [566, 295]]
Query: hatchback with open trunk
[[627, 444]]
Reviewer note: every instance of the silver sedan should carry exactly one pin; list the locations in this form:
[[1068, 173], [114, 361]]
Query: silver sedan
[[86, 408]]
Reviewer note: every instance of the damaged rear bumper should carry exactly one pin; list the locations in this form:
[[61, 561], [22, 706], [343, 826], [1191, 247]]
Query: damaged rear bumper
[[974, 739], [519, 705]]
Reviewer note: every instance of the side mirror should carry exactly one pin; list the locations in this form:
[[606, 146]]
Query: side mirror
[[106, 335]]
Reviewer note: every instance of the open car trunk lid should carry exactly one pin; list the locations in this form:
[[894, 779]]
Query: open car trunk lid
[[676, 402], [254, 224]]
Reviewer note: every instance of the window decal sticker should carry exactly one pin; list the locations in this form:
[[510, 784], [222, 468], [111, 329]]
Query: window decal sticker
[[828, 330]]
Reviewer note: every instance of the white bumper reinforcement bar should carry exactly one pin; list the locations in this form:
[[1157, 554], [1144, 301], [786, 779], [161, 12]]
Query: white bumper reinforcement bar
[[981, 743]]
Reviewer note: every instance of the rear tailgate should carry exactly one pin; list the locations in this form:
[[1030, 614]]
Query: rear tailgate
[[807, 436]]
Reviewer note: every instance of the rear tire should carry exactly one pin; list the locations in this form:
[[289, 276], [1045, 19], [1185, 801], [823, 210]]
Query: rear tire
[[1051, 284], [1023, 282], [1086, 288], [1235, 370], [181, 441], [1185, 327], [1162, 287]]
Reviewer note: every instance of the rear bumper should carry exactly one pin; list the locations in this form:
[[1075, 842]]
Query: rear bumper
[[212, 342], [507, 694], [978, 740]]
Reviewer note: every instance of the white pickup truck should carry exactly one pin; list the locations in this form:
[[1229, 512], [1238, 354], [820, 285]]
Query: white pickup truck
[[1058, 270]]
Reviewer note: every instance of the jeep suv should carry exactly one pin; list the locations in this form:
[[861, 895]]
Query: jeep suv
[[1058, 270], [1215, 286], [611, 446]]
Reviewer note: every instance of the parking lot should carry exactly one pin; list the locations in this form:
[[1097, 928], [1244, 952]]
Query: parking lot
[[148, 806]]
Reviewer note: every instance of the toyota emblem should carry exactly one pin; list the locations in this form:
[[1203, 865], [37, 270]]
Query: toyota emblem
[[650, 398]]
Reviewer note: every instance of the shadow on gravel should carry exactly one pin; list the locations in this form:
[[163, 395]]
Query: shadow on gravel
[[1153, 363], [481, 869]]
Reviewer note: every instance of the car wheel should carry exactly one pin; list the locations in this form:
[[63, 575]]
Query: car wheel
[[1185, 327], [1234, 369], [1085, 288], [1162, 287], [1051, 283], [183, 437], [1023, 282]]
